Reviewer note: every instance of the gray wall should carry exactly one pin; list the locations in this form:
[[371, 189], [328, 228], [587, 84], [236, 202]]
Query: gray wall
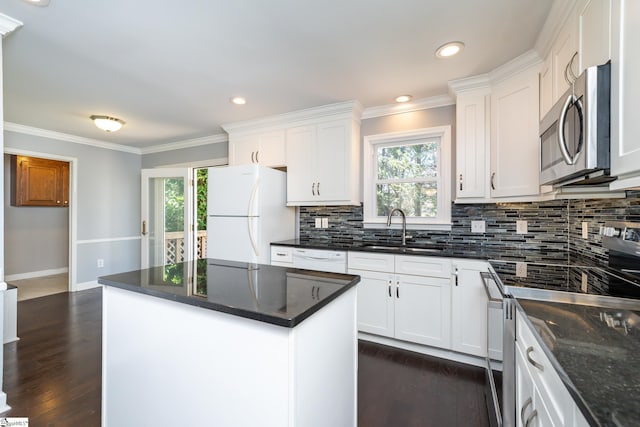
[[35, 238], [107, 201], [185, 155]]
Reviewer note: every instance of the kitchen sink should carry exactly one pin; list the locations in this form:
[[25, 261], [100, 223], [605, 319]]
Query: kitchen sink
[[404, 249]]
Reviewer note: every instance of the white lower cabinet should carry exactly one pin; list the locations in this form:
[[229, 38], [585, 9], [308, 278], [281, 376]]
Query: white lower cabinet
[[469, 309], [542, 399], [408, 307]]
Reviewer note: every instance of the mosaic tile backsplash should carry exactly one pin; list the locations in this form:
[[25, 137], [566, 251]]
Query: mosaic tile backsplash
[[553, 225]]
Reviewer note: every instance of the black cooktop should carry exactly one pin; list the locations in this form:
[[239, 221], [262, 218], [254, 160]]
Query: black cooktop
[[576, 278]]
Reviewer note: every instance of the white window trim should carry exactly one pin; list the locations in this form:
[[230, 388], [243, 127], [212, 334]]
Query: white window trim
[[443, 222]]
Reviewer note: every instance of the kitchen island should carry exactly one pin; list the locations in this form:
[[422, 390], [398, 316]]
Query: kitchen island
[[241, 345]]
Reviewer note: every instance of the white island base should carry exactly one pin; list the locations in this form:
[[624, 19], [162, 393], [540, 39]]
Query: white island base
[[169, 363]]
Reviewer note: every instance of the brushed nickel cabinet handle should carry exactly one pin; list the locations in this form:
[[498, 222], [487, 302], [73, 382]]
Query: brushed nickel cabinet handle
[[257, 156], [253, 153], [144, 228], [528, 402], [533, 362], [460, 182], [493, 176], [397, 289], [389, 288], [530, 418], [318, 189], [313, 188]]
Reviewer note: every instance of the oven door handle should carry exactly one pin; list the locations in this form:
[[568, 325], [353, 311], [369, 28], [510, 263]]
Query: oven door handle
[[486, 276]]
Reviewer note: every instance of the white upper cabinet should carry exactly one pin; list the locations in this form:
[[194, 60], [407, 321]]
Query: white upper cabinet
[[515, 152], [564, 53], [497, 147], [471, 131], [320, 147], [267, 149], [324, 164], [625, 87], [547, 97], [594, 32]]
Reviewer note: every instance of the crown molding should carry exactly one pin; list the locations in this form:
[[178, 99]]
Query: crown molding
[[8, 25], [481, 82], [348, 109], [558, 15], [528, 59], [29, 130], [407, 107], [188, 143]]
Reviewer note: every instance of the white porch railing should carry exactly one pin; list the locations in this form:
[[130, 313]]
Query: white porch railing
[[174, 246]]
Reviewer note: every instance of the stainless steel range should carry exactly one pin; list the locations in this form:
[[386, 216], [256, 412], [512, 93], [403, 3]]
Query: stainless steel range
[[615, 287]]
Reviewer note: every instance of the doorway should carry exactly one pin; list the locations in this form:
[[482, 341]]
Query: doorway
[[39, 234]]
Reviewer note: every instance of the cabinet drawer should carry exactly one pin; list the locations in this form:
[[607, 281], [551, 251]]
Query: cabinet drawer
[[423, 266], [281, 255], [371, 261], [556, 396]]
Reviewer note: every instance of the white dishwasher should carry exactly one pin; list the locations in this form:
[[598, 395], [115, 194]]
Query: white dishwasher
[[321, 260]]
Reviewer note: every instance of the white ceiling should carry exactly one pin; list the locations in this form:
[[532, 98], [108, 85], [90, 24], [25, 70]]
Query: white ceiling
[[168, 68]]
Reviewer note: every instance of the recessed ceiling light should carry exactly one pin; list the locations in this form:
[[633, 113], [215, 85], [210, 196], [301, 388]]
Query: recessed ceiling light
[[238, 100], [404, 98], [449, 49], [38, 2], [107, 123]]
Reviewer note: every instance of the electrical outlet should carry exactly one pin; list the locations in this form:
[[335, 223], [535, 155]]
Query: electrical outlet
[[522, 227], [478, 226], [325, 222], [584, 283], [100, 263], [521, 269], [318, 222], [585, 230]]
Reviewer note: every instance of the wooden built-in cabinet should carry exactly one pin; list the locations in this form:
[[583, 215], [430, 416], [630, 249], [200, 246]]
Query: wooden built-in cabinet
[[39, 182]]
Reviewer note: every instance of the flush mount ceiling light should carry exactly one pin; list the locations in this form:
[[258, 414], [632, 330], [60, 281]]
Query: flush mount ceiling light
[[238, 100], [404, 98], [449, 49], [107, 123], [42, 3]]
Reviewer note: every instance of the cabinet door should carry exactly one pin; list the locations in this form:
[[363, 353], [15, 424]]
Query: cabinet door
[[515, 152], [594, 29], [423, 310], [65, 184], [271, 149], [563, 51], [524, 390], [243, 150], [300, 142], [469, 309], [625, 87], [331, 160], [375, 302], [546, 86], [471, 146], [37, 182]]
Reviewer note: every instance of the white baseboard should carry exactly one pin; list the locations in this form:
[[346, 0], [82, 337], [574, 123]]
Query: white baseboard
[[33, 274], [86, 285], [3, 402], [423, 349]]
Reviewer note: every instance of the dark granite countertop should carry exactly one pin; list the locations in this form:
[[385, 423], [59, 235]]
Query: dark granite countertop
[[277, 295], [452, 250], [599, 363]]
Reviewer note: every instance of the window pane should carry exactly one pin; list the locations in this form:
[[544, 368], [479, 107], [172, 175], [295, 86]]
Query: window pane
[[415, 199], [408, 161]]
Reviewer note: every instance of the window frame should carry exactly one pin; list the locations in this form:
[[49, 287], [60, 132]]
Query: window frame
[[371, 142]]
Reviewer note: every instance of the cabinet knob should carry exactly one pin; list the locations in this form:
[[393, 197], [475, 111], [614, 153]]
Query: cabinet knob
[[58, 201]]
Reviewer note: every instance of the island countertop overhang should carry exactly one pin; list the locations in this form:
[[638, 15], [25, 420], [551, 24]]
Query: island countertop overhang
[[277, 295]]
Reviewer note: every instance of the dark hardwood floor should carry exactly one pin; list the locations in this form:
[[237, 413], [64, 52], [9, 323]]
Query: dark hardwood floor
[[53, 374]]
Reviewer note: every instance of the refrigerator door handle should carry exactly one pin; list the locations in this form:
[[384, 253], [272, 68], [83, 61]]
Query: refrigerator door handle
[[250, 218]]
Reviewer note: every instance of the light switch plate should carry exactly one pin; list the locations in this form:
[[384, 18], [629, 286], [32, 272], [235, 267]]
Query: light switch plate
[[584, 283], [318, 222], [478, 226], [522, 227], [521, 269], [325, 222], [585, 230]]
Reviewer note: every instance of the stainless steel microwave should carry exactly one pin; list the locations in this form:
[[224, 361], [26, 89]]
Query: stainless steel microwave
[[574, 134]]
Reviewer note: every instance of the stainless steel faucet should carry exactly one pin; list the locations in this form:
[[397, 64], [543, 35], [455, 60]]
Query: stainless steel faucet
[[404, 223]]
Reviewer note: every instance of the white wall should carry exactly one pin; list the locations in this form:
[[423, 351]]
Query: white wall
[[107, 203], [218, 150]]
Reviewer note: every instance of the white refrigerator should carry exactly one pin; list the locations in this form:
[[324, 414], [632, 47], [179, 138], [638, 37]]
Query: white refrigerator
[[246, 211]]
